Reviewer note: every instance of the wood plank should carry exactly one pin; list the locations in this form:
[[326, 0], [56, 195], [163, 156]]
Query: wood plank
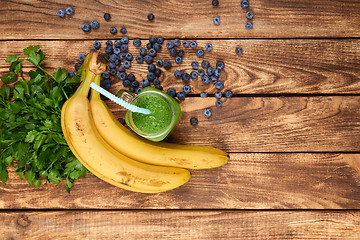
[[180, 225], [265, 67], [248, 181], [187, 19]]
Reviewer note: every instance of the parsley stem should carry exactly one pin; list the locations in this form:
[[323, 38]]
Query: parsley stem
[[42, 69]]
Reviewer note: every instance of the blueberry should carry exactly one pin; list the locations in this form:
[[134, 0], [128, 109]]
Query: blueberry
[[185, 77], [152, 52], [148, 59], [132, 89], [171, 92], [156, 81], [159, 87], [194, 121], [213, 79], [205, 64], [177, 42], [249, 25], [137, 42], [228, 94], [180, 95], [109, 43], [151, 67], [145, 83], [195, 65], [127, 64], [215, 3], [82, 57], [205, 79], [112, 65], [93, 50], [112, 57], [218, 103], [121, 120], [71, 74], [152, 39], [117, 51], [86, 27], [193, 44], [178, 74], [150, 76], [173, 52], [113, 30], [97, 44], [124, 48], [238, 50], [249, 15], [77, 66], [123, 30], [105, 75], [219, 85], [117, 43], [217, 73], [187, 89], [121, 56], [126, 83], [125, 40], [210, 71], [181, 53], [107, 17], [201, 72], [122, 76], [216, 20], [245, 4], [170, 44], [117, 62], [149, 45], [159, 63], [135, 84], [137, 91], [151, 17], [61, 13], [113, 71], [207, 113], [178, 60], [143, 51], [131, 77], [208, 47], [203, 94], [106, 83], [186, 43], [218, 95], [194, 75], [129, 56], [157, 72], [121, 69], [69, 11], [220, 65], [160, 40], [167, 64], [200, 53], [109, 50], [94, 24]]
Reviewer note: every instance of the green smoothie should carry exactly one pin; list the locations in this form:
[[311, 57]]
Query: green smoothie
[[158, 119]]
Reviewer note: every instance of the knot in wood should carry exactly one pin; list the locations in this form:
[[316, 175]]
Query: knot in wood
[[23, 221]]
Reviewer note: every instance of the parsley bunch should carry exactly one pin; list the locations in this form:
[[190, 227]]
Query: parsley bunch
[[31, 137]]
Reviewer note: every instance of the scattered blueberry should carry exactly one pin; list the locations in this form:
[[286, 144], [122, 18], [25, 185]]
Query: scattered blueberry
[[106, 83], [200, 53], [152, 52], [208, 47], [213, 79], [86, 27], [131, 77], [219, 85], [151, 16], [122, 56], [220, 65], [207, 113], [97, 44], [245, 4], [151, 76], [178, 60], [61, 13], [193, 44], [186, 43], [105, 75], [137, 91], [178, 74], [194, 75], [157, 46], [127, 64], [170, 44], [125, 40], [195, 65], [124, 48], [171, 92], [194, 121], [152, 39], [159, 87], [113, 71], [167, 64], [218, 95], [94, 24], [143, 51], [71, 74], [185, 77], [180, 95], [109, 50], [82, 57], [107, 17], [148, 59], [117, 43], [228, 94], [215, 3], [149, 45], [122, 76], [181, 53], [123, 30], [210, 71], [187, 89], [132, 89], [201, 72], [77, 66], [157, 72], [117, 51], [173, 52], [160, 40], [205, 64], [249, 15], [238, 50], [205, 79], [121, 69], [156, 81], [126, 83], [216, 20], [137, 42], [113, 30], [218, 103], [203, 94], [249, 25], [109, 43], [145, 83], [129, 56], [112, 57], [159, 63], [151, 67], [217, 73], [177, 42], [134, 83]]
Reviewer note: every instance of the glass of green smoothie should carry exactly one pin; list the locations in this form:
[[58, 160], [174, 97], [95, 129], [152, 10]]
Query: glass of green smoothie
[[164, 113]]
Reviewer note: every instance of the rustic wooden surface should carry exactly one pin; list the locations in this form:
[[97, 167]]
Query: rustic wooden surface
[[292, 129]]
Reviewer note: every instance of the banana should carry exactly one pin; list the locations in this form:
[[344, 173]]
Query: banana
[[98, 156], [143, 150]]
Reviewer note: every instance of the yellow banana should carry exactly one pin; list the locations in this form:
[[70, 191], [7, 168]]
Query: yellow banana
[[99, 157], [138, 148]]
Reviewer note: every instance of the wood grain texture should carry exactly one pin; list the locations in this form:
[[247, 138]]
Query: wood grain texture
[[281, 19], [180, 225], [248, 181], [266, 66]]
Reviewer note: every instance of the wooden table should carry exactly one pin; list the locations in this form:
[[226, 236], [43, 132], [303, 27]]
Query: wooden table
[[292, 128]]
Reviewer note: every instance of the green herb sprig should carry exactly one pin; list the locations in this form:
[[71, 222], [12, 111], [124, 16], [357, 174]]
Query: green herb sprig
[[30, 122]]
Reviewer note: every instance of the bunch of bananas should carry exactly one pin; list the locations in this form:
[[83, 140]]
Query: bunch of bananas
[[119, 156]]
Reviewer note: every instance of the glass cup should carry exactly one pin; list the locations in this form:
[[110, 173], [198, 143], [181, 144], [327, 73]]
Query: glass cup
[[167, 102]]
